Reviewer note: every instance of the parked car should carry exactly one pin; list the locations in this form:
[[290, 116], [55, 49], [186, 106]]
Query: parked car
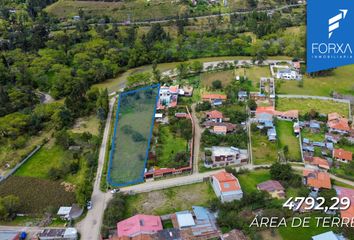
[[89, 205], [113, 191]]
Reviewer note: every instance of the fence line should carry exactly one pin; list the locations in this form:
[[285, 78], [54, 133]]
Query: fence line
[[18, 165]]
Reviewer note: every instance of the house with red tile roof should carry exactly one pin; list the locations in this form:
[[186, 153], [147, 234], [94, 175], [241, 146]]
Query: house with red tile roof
[[222, 130], [316, 179], [342, 155], [215, 116], [274, 188], [319, 163], [349, 193], [211, 97], [226, 187], [138, 225], [338, 124], [269, 110]]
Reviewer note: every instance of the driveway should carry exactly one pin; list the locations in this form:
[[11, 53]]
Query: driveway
[[197, 137], [90, 226]]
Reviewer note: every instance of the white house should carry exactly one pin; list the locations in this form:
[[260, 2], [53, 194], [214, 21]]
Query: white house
[[226, 187], [288, 74]]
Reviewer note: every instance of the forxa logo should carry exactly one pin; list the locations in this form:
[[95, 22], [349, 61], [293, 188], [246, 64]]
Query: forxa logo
[[330, 39], [331, 48], [333, 23]]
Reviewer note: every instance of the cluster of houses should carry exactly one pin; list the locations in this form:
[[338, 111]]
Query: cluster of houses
[[197, 223], [44, 234], [338, 127], [217, 123], [264, 117]]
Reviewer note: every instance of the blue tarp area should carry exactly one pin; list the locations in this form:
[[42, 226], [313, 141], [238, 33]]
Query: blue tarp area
[[132, 134]]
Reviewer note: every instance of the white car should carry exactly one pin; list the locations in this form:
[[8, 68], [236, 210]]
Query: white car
[[89, 205], [113, 191]]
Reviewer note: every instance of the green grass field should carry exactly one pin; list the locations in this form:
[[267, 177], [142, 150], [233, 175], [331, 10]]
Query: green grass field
[[39, 165], [263, 151], [250, 180], [169, 145], [314, 136], [286, 137], [132, 135], [226, 77], [254, 74], [342, 81], [170, 200], [306, 105], [303, 233]]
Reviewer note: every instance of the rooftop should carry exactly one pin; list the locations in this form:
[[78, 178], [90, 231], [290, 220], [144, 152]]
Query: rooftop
[[227, 182], [185, 219], [270, 186], [342, 154], [224, 151], [138, 224], [317, 179]]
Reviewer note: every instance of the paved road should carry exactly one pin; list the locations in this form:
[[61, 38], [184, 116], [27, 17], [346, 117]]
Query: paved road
[[197, 136], [90, 226]]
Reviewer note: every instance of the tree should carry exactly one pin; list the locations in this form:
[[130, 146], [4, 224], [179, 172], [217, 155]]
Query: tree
[[9, 206], [281, 172], [217, 84], [182, 70], [63, 139], [252, 105]]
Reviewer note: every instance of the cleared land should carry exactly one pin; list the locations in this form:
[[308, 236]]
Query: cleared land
[[87, 124], [225, 77], [250, 180], [170, 200], [36, 195], [341, 81], [306, 105], [286, 137], [131, 138], [263, 151]]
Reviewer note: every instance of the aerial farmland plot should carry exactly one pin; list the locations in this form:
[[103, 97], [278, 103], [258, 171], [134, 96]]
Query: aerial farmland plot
[[131, 137]]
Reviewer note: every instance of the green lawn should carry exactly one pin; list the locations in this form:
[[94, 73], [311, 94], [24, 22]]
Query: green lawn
[[306, 105], [303, 233], [254, 74], [286, 137], [39, 164], [341, 81], [169, 146], [250, 180], [314, 136], [263, 151], [170, 200]]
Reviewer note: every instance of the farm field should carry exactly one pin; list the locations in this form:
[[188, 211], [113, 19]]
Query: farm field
[[306, 105], [136, 10], [131, 137], [263, 151], [341, 81], [36, 195], [250, 180], [170, 200], [286, 137]]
